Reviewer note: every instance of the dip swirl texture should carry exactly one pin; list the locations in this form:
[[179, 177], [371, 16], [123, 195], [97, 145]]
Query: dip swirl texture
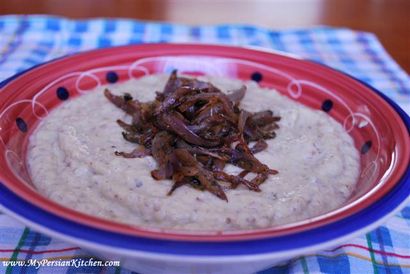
[[71, 161]]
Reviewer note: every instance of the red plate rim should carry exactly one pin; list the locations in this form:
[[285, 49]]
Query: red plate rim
[[263, 57]]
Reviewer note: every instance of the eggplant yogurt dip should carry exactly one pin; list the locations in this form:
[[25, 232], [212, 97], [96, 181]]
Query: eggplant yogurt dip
[[276, 161]]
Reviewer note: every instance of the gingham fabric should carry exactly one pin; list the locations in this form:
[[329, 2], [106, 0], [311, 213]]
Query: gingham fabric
[[29, 40]]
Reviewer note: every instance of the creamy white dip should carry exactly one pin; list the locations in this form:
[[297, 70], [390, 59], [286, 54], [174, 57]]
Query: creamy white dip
[[71, 160]]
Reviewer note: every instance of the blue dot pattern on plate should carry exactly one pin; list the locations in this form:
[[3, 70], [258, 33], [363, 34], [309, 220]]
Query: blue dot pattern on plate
[[327, 105], [111, 77], [366, 147], [62, 93], [170, 69], [256, 76], [21, 124]]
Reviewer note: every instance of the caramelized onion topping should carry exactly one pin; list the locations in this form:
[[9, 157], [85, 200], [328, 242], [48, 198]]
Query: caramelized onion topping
[[193, 130]]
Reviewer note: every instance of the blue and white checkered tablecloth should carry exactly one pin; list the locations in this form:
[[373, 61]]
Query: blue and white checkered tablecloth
[[29, 40]]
